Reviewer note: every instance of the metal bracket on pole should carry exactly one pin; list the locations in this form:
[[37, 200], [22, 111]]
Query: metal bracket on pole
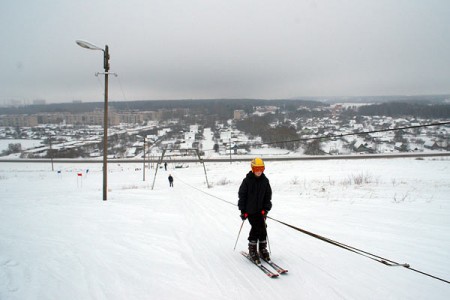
[[106, 73]]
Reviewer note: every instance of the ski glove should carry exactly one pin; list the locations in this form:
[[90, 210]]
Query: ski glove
[[244, 216], [264, 213]]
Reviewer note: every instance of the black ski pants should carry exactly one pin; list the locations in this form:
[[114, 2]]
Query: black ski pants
[[258, 230]]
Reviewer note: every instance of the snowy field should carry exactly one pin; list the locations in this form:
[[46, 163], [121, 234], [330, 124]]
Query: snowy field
[[59, 240], [25, 144]]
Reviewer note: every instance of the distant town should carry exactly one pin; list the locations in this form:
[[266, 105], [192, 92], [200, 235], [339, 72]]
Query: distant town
[[223, 127]]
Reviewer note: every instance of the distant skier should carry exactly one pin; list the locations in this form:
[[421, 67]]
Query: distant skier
[[165, 166], [170, 180], [255, 195]]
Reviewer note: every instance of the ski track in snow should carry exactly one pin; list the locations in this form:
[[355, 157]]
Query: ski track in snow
[[8, 276], [59, 240]]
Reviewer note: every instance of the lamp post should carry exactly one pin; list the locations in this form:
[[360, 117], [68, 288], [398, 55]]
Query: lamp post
[[230, 148], [51, 150], [143, 167], [90, 46]]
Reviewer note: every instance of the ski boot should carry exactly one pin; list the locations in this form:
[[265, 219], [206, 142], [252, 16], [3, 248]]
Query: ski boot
[[252, 252], [263, 252]]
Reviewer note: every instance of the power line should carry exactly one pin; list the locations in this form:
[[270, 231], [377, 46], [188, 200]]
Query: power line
[[123, 93], [344, 134], [359, 133]]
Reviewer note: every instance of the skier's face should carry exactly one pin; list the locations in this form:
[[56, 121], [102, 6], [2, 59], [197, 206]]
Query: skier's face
[[258, 170], [258, 173]]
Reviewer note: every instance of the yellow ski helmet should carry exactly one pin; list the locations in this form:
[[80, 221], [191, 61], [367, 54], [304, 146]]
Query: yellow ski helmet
[[257, 165]]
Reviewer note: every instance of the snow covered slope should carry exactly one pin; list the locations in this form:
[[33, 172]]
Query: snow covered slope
[[59, 240]]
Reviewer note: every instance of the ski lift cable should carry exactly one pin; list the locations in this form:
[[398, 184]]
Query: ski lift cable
[[345, 134], [374, 257], [355, 250], [360, 133]]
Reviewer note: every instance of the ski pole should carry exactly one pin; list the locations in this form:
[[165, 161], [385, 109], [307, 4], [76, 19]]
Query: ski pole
[[267, 236], [238, 235]]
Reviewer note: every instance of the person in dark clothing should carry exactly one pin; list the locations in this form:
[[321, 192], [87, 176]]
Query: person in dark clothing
[[255, 201], [170, 180], [165, 166]]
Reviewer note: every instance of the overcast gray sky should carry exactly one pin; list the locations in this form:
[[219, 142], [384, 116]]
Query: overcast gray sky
[[180, 49]]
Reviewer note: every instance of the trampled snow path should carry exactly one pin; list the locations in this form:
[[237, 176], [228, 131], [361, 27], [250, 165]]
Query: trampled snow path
[[59, 240]]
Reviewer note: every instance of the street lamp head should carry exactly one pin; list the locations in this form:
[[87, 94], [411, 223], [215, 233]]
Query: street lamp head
[[88, 45], [91, 46]]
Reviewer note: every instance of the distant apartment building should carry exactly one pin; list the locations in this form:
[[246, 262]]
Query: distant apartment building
[[89, 118], [131, 118], [239, 114], [92, 118], [50, 118], [336, 109], [18, 120], [39, 102]]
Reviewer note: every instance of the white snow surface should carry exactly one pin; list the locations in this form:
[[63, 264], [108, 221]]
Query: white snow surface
[[26, 144], [59, 240]]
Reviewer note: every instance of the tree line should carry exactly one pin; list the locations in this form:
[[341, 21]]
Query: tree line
[[220, 107], [260, 126], [402, 109]]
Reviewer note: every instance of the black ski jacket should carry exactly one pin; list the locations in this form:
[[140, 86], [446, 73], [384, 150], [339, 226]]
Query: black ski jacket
[[255, 194]]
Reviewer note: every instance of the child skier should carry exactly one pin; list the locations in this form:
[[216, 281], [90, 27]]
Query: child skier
[[255, 195]]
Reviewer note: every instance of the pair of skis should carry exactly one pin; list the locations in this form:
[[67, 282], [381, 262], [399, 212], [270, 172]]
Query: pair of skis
[[269, 273]]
